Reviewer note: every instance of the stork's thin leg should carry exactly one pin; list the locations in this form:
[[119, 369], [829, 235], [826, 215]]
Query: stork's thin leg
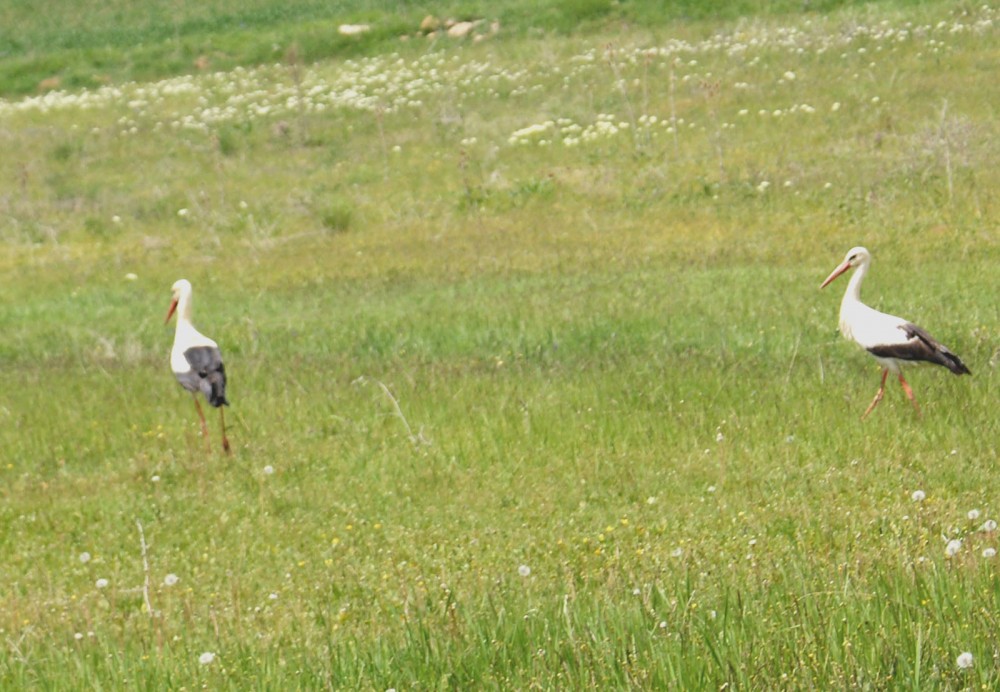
[[225, 440], [909, 392], [204, 425], [878, 396]]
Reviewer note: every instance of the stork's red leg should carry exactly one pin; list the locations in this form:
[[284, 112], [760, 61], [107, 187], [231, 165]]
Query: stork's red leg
[[878, 396], [204, 425], [909, 392], [225, 440]]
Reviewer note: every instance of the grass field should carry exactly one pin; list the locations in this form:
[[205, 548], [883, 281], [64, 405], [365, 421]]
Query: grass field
[[532, 382]]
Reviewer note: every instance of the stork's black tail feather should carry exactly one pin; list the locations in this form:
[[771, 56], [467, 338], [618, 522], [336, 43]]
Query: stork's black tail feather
[[209, 374], [217, 382], [938, 352], [953, 362]]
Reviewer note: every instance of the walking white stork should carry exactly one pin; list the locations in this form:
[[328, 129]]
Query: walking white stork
[[196, 360], [890, 339]]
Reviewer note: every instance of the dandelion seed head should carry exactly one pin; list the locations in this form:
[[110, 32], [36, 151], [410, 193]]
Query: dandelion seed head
[[171, 579], [206, 658], [84, 557], [964, 660], [973, 514], [953, 547], [989, 553], [918, 496], [101, 583], [524, 570]]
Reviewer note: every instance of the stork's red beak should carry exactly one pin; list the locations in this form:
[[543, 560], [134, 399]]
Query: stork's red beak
[[836, 272], [170, 312]]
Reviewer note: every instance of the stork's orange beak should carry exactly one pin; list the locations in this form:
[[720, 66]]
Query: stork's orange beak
[[170, 312], [836, 272]]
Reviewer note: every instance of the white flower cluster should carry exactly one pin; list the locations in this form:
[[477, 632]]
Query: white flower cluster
[[570, 133], [385, 83]]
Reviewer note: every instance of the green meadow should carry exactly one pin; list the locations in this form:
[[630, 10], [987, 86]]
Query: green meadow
[[532, 382]]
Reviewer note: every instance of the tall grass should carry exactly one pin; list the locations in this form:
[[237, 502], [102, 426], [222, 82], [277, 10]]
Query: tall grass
[[509, 410]]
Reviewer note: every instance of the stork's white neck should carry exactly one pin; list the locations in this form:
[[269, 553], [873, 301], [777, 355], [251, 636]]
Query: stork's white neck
[[852, 299], [183, 310], [853, 292]]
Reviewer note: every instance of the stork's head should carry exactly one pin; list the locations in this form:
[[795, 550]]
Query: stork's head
[[181, 290], [855, 257]]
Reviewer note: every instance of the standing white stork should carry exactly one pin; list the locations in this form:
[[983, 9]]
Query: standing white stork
[[890, 339], [196, 359]]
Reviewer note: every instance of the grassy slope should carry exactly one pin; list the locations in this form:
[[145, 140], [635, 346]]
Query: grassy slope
[[613, 358], [90, 43]]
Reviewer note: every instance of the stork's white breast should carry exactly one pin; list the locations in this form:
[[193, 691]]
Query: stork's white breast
[[870, 328]]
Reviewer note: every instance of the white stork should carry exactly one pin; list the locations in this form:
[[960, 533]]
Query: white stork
[[890, 339], [196, 359]]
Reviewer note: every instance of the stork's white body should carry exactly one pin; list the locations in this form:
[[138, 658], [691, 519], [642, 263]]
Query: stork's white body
[[185, 338], [869, 328]]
